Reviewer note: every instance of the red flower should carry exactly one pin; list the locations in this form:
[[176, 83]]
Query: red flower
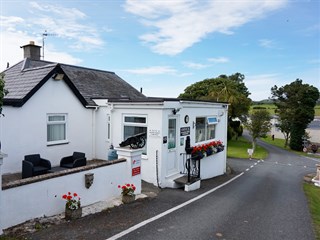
[[75, 194], [64, 196], [69, 197]]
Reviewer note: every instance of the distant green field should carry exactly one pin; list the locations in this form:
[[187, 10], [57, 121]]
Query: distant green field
[[271, 108]]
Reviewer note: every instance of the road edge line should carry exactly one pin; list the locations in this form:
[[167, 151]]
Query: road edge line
[[145, 222]]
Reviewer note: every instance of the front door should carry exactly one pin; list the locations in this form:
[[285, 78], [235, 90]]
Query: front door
[[172, 160]]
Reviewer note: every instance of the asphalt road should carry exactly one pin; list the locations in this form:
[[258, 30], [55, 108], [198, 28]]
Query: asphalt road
[[266, 202]]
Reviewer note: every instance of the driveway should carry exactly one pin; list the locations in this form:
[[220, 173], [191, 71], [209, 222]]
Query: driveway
[[265, 202]]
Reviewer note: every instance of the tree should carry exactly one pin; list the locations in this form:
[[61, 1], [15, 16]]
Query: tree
[[258, 125], [285, 127], [224, 88], [295, 103]]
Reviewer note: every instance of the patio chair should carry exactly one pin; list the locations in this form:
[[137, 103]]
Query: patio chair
[[34, 165], [78, 159]]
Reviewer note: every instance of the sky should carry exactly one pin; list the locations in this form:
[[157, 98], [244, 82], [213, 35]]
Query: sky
[[165, 46]]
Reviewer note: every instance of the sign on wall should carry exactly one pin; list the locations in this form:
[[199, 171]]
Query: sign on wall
[[184, 131], [135, 167]]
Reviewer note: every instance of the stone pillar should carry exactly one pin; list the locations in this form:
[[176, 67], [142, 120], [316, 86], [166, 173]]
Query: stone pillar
[[2, 155], [133, 170]]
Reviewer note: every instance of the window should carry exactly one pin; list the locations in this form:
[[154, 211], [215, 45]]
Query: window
[[56, 128], [134, 125], [172, 134], [205, 128]]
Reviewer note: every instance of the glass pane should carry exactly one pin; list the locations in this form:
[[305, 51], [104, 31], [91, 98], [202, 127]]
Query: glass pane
[[200, 129], [172, 134], [135, 119], [56, 132], [57, 118], [211, 131], [133, 130]]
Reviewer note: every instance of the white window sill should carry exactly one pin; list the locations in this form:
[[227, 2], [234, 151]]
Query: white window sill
[[57, 143]]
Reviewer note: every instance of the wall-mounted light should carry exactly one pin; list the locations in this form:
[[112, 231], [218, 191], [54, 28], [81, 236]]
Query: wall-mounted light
[[58, 76]]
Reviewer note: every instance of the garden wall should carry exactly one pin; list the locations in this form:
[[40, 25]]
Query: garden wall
[[42, 195]]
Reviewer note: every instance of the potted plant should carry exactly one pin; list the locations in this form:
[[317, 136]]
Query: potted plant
[[127, 191], [73, 206]]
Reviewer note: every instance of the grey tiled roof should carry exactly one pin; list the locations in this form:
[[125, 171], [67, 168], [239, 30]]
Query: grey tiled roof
[[92, 83], [26, 77]]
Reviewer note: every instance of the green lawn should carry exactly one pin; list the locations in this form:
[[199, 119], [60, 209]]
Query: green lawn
[[238, 149], [271, 108], [313, 194], [280, 143]]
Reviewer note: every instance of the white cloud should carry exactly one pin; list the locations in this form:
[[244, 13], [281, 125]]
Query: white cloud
[[154, 70], [194, 65], [267, 43], [64, 23], [10, 51], [260, 85], [67, 23], [180, 24], [218, 60]]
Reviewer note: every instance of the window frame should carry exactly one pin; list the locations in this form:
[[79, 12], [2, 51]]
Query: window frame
[[136, 124], [59, 122], [207, 124]]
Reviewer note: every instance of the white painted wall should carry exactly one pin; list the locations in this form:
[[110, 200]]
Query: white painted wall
[[24, 129], [45, 197], [157, 117]]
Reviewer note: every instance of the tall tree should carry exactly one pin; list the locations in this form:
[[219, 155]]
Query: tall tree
[[295, 103], [224, 88], [258, 125]]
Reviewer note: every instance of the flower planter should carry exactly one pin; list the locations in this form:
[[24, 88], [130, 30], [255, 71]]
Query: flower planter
[[73, 214], [128, 198]]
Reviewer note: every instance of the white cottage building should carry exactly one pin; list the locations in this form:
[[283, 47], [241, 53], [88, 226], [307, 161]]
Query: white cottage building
[[55, 109]]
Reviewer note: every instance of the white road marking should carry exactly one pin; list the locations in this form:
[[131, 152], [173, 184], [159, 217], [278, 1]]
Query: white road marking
[[251, 166], [139, 225], [255, 163], [247, 169]]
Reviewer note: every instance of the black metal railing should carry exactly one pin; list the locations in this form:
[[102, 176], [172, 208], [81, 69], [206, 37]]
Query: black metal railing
[[191, 167]]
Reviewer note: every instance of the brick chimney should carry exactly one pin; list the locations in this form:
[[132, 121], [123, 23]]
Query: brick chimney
[[31, 51]]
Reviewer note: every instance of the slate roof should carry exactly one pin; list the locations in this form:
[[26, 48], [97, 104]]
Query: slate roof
[[26, 77]]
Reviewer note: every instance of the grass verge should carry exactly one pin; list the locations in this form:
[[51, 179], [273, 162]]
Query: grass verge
[[280, 143], [238, 149], [313, 195]]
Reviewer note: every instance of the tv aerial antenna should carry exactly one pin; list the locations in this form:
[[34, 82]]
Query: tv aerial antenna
[[44, 35]]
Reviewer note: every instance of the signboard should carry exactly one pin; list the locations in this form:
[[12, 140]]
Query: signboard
[[154, 133], [184, 131], [136, 167]]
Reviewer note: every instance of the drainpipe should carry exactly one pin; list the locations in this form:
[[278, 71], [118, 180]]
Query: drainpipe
[[2, 155], [111, 107], [94, 131]]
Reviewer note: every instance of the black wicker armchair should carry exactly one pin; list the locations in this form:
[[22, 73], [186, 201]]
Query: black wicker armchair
[[78, 159], [34, 165]]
